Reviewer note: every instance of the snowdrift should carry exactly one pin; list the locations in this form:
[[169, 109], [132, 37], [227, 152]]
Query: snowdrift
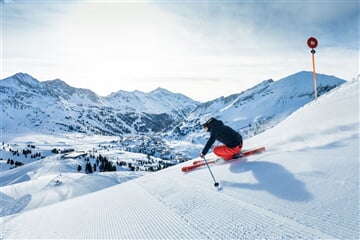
[[306, 185]]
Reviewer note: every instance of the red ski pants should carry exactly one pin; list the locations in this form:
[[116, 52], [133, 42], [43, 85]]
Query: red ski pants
[[225, 152]]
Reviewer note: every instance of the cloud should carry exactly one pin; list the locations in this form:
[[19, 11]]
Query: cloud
[[183, 46], [246, 26]]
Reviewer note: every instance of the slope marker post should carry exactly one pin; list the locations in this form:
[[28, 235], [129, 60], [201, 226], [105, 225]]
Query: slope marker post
[[312, 43]]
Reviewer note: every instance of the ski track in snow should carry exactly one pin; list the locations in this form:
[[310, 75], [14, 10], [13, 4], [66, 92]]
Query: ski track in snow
[[132, 213], [145, 212], [243, 219], [148, 208]]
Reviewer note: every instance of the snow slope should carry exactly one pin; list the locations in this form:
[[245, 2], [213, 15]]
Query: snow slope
[[306, 185], [55, 178]]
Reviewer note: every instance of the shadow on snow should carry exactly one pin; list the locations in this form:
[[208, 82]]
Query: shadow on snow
[[273, 178]]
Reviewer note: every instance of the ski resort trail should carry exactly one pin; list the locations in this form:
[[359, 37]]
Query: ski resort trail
[[170, 205], [305, 186]]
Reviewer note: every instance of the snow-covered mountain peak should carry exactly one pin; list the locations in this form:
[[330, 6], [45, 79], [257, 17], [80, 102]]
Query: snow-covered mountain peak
[[160, 90], [60, 88], [57, 83], [24, 77], [20, 80], [304, 81], [53, 105], [155, 102]]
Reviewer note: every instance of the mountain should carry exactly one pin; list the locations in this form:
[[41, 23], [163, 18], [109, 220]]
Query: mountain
[[256, 109], [155, 102], [305, 186], [160, 116], [54, 106]]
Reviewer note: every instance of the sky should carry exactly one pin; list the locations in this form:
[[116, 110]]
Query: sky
[[203, 49]]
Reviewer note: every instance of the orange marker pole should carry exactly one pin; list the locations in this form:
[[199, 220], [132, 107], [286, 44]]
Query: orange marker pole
[[313, 64], [312, 43]]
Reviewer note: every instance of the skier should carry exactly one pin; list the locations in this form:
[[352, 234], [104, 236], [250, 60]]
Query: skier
[[231, 139]]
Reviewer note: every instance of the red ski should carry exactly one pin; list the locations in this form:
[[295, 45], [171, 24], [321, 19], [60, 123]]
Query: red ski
[[200, 163]]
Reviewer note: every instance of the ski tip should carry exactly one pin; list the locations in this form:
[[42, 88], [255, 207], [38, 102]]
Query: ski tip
[[258, 150], [187, 168]]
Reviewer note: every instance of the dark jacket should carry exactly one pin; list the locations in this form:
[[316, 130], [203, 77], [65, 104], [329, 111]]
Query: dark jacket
[[222, 133]]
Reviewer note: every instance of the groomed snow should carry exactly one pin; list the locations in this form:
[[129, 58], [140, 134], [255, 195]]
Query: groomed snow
[[305, 186]]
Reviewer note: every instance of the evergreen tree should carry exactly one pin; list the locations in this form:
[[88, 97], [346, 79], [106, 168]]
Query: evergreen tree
[[88, 168]]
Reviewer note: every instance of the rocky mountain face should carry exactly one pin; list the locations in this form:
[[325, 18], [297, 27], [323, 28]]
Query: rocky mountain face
[[54, 106]]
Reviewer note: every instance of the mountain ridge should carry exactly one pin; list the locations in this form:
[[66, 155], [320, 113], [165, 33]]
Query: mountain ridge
[[55, 107], [83, 110]]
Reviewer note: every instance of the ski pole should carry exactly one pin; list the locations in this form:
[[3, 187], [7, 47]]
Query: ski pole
[[216, 184]]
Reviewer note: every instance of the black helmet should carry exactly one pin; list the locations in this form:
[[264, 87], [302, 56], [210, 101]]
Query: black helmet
[[208, 122]]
